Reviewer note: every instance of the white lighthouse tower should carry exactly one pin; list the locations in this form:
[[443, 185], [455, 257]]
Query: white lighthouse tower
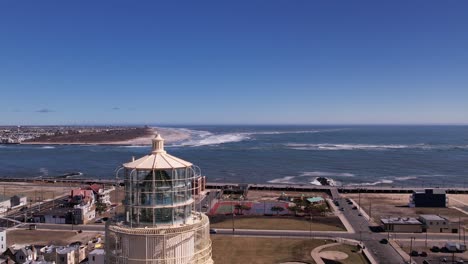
[[160, 223]]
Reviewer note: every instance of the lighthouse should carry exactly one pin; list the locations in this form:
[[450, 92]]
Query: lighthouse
[[160, 223]]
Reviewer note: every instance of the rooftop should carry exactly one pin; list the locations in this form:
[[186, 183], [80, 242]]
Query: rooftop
[[434, 191], [158, 159], [315, 199], [97, 252], [428, 217], [401, 221]]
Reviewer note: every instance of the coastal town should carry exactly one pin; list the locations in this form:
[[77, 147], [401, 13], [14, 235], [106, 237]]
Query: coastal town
[[68, 134], [363, 224]]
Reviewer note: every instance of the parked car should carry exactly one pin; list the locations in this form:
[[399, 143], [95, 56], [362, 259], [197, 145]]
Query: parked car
[[426, 262], [354, 207], [383, 241], [435, 249], [423, 254], [414, 253]]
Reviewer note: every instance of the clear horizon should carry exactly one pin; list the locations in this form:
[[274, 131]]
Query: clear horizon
[[248, 62]]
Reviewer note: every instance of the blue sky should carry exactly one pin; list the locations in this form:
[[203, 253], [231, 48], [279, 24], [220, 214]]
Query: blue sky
[[233, 62]]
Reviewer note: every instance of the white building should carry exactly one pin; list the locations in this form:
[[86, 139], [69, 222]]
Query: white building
[[160, 224], [5, 203], [97, 256], [65, 255], [3, 246], [438, 224]]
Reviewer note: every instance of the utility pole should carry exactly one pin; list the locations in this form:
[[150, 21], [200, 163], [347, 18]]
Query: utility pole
[[359, 198], [425, 243], [411, 250], [232, 213], [459, 229]]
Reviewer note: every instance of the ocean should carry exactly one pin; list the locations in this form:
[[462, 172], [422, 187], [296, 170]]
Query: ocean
[[419, 156]]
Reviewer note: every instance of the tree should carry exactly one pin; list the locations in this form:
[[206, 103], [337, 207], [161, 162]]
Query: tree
[[294, 209], [100, 207], [277, 209], [242, 207]]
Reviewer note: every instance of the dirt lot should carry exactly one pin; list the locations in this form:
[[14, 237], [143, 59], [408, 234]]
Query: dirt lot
[[395, 205], [41, 237], [36, 191]]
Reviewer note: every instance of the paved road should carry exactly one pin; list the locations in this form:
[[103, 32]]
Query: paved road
[[383, 253]]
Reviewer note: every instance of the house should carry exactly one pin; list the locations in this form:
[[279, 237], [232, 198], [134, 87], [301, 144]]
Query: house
[[429, 198], [401, 224], [3, 246], [18, 200], [65, 255], [25, 254], [54, 216], [101, 194], [80, 196], [438, 224], [96, 256], [84, 209]]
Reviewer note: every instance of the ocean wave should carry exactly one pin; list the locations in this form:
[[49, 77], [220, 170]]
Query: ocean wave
[[405, 178], [212, 139], [327, 146], [371, 183], [309, 177], [286, 180], [325, 174], [47, 147], [343, 146]]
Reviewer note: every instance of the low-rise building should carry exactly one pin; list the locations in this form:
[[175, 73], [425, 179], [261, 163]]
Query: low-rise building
[[96, 256], [18, 200], [438, 224], [24, 254], [102, 195], [401, 224], [315, 200], [429, 198], [65, 255], [5, 203]]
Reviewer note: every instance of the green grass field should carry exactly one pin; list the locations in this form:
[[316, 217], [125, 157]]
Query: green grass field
[[256, 250]]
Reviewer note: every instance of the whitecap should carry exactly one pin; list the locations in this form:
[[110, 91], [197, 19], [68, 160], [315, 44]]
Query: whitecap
[[206, 139], [325, 146], [405, 178], [325, 174], [286, 180], [329, 146], [47, 147], [371, 183]]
